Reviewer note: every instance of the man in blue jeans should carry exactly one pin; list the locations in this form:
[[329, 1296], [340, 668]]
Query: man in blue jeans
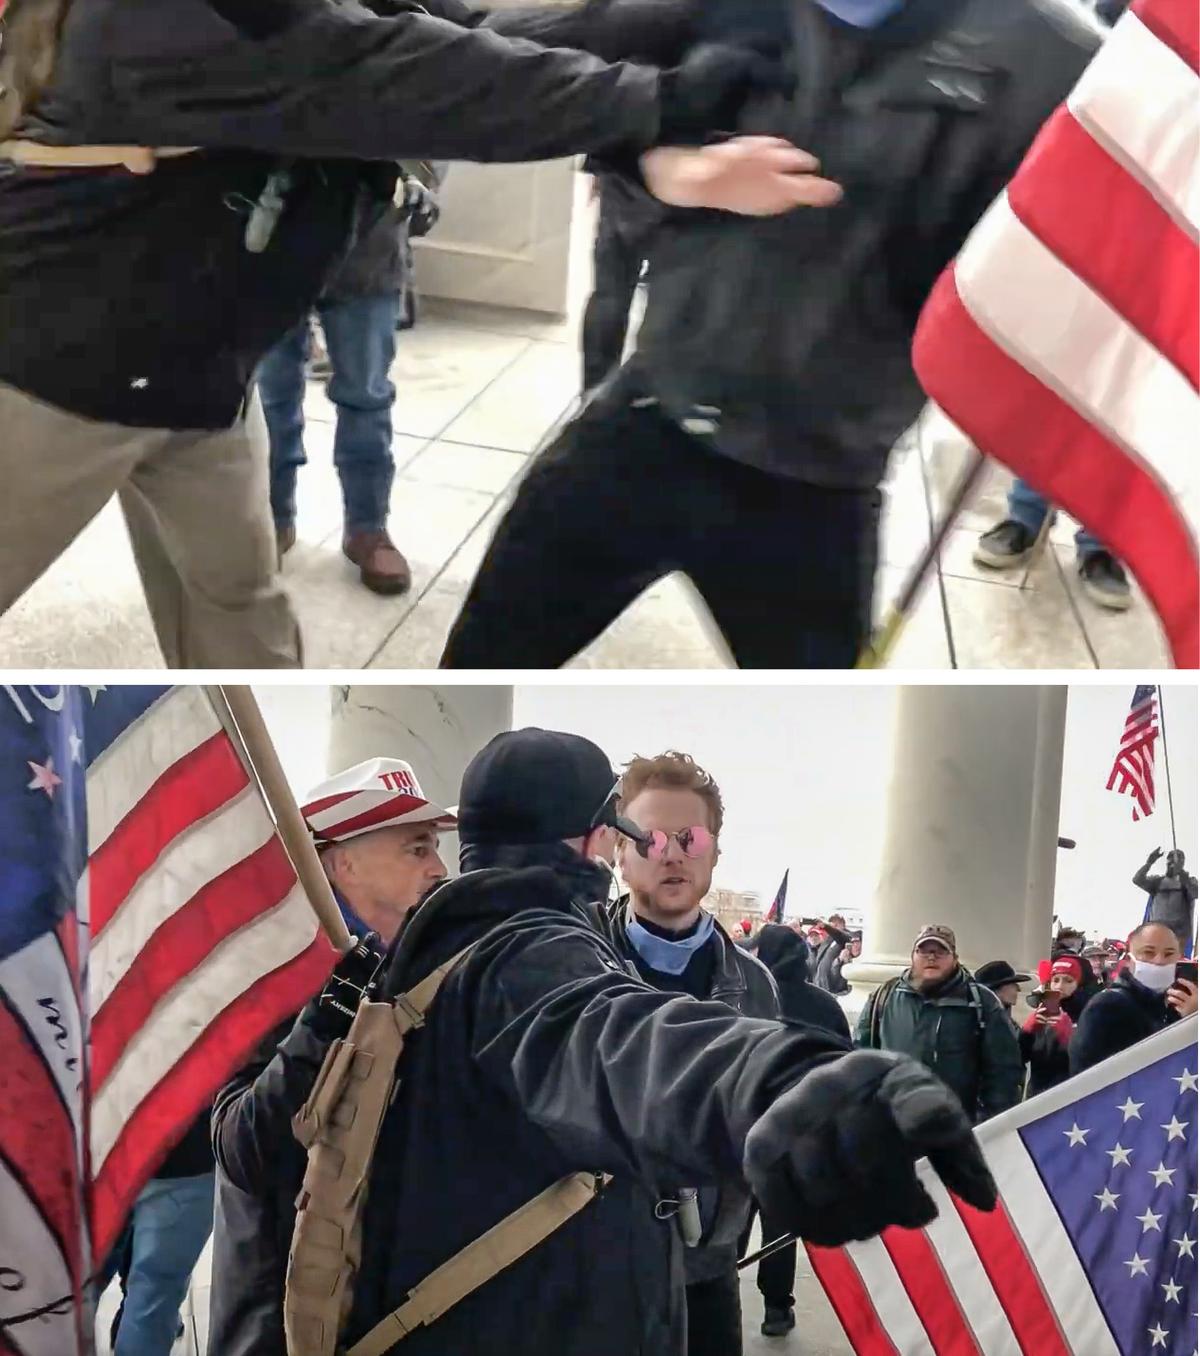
[[1010, 544], [359, 314], [163, 1239]]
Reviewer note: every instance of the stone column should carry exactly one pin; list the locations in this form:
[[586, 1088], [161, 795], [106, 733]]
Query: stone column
[[972, 831], [436, 729]]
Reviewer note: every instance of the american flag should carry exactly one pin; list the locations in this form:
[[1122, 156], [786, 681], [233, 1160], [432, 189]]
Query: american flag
[[1063, 339], [1092, 1249], [1133, 768], [152, 931], [779, 904]]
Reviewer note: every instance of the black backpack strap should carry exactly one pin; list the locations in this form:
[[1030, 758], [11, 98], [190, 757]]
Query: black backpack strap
[[875, 1006]]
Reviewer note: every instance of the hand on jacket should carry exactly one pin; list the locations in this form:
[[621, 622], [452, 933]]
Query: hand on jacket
[[705, 93], [751, 176], [834, 1157]]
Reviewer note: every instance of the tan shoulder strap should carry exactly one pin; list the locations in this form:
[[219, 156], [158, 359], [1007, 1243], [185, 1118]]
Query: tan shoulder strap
[[487, 1256], [339, 1125], [136, 159]]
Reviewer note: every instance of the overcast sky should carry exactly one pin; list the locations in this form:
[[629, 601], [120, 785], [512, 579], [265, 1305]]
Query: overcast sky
[[804, 772]]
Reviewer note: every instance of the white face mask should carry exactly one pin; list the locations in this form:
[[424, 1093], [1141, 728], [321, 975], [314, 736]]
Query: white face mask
[[1155, 977]]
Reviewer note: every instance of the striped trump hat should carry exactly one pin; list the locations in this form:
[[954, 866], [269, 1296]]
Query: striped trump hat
[[373, 795]]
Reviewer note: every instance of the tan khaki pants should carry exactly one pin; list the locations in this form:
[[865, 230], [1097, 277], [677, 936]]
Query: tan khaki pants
[[197, 506]]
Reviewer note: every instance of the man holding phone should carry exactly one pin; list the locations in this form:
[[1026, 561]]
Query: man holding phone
[[1148, 995]]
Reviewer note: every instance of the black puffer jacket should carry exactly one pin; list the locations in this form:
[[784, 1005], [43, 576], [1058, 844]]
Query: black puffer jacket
[[541, 1056], [734, 977], [1122, 1015], [798, 328], [133, 299]]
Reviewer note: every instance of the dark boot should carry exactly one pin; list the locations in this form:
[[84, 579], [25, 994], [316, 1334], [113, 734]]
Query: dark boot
[[778, 1322]]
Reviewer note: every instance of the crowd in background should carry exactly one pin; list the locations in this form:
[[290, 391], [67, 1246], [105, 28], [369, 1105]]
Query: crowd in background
[[971, 1026]]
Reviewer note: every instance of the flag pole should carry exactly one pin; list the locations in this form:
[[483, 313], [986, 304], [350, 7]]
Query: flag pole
[[879, 648], [265, 764], [1162, 725]]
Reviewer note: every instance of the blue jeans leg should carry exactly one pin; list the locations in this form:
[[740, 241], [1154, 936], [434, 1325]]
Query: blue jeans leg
[[360, 333], [1030, 509], [172, 1220], [1026, 506], [281, 383]]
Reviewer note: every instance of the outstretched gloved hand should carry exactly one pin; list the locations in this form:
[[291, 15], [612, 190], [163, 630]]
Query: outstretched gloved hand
[[834, 1158]]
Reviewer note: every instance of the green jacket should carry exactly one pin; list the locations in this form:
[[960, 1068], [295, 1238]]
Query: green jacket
[[961, 1032]]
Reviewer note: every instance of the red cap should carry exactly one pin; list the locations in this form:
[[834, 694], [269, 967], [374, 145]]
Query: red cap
[[1068, 965]]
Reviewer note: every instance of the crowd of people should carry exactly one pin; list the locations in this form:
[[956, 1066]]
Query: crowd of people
[[595, 1075]]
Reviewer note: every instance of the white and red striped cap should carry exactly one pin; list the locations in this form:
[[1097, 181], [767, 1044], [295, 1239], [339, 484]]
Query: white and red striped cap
[[371, 795]]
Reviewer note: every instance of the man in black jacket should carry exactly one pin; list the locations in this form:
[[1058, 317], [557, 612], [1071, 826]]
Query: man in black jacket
[[1145, 997], [543, 1056], [785, 953], [359, 311], [674, 945], [745, 440], [135, 307]]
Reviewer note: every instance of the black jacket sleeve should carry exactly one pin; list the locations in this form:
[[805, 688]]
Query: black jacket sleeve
[[1103, 1029], [618, 1075], [340, 81], [657, 31], [252, 1115]]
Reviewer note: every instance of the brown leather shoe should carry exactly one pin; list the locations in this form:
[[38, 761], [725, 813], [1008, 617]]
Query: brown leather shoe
[[380, 566], [285, 539]]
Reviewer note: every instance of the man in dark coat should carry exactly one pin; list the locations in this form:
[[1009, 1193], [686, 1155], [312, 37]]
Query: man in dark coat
[[359, 311], [1146, 996], [167, 288], [785, 953], [542, 1057], [937, 1013], [674, 945], [745, 440]]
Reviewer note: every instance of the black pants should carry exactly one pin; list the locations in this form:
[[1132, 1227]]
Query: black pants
[[714, 1317], [622, 237], [624, 496]]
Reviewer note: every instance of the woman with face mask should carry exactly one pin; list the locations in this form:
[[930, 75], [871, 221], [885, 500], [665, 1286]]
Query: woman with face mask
[[1144, 998]]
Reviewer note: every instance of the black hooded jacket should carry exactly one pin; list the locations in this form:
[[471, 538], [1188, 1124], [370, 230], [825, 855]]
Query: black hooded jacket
[[542, 1056], [797, 329], [1125, 1013], [785, 954]]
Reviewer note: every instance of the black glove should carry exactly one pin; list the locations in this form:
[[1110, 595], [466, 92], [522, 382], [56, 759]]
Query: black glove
[[706, 93], [834, 1157], [352, 980]]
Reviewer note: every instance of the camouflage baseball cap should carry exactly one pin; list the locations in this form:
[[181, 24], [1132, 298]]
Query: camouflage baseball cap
[[938, 932]]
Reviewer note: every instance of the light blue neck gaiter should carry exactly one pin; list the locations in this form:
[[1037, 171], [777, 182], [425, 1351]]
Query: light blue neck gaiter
[[862, 13], [668, 957]]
